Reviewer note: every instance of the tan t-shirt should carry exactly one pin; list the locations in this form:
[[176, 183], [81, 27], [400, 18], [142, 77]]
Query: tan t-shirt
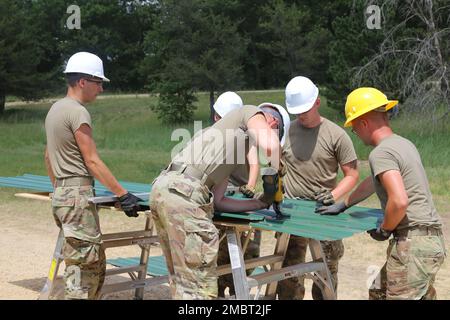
[[220, 149], [312, 157], [398, 153], [63, 119]]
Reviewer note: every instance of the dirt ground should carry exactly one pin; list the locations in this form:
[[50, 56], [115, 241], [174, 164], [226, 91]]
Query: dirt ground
[[28, 235]]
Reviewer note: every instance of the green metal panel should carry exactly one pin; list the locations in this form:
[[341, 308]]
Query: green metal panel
[[43, 184], [305, 222], [302, 222], [156, 265]]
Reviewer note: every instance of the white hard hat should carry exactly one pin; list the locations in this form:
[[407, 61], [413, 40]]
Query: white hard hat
[[284, 115], [301, 94], [85, 62], [227, 102]]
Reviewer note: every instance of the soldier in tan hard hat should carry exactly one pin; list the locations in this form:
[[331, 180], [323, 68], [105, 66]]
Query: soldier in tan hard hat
[[411, 223], [314, 151], [72, 163]]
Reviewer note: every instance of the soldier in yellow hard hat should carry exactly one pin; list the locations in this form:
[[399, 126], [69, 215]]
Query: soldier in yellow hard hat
[[416, 249]]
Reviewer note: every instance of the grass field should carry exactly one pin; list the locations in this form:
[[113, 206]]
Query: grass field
[[136, 147]]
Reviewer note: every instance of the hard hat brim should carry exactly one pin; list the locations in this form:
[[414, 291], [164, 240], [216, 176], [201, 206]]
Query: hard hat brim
[[284, 115], [389, 105], [297, 109]]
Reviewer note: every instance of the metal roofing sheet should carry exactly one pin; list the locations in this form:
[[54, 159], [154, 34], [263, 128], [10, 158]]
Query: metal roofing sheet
[[302, 222]]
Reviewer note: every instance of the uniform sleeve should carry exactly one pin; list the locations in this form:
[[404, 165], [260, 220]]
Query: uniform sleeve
[[345, 152], [381, 161], [78, 117]]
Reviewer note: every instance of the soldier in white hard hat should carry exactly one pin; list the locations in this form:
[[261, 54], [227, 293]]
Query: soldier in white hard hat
[[72, 163], [185, 195], [314, 150]]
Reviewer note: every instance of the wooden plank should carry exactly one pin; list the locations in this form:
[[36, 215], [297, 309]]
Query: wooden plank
[[42, 196]]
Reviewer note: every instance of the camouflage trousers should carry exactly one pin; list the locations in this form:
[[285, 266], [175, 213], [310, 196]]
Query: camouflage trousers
[[252, 251], [294, 288], [410, 269], [83, 253], [182, 209]]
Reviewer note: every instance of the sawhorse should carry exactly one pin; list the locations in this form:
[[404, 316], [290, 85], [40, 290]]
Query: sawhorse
[[137, 273], [316, 269]]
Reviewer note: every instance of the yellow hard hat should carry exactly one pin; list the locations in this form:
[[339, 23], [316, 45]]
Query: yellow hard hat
[[363, 100]]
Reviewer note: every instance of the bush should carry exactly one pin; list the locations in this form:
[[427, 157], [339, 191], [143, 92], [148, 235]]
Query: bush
[[175, 105]]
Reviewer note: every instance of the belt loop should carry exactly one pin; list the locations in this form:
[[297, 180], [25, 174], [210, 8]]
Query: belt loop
[[63, 182]]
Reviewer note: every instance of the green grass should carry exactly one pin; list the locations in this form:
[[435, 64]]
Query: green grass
[[136, 146]]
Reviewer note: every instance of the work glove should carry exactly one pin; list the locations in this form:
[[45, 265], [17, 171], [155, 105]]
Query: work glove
[[380, 234], [332, 210], [324, 196], [270, 185], [247, 191], [129, 204]]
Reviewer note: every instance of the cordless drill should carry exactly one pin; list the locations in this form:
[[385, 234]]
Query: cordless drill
[[279, 200]]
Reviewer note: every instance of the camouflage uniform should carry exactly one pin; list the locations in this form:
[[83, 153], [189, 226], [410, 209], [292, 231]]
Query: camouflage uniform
[[411, 267], [294, 288], [83, 253], [182, 209]]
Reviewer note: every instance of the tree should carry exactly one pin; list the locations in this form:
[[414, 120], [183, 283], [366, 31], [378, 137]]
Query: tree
[[192, 48], [352, 45], [24, 68], [413, 58], [114, 30]]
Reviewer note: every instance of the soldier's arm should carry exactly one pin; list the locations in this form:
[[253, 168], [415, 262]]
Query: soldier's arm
[[93, 162], [397, 202], [48, 165], [364, 190], [225, 204], [254, 166], [351, 176], [266, 138]]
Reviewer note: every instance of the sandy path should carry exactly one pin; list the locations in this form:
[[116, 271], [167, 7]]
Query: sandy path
[[28, 235]]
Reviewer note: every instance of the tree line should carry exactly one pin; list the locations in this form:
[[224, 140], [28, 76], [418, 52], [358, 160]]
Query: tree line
[[178, 47]]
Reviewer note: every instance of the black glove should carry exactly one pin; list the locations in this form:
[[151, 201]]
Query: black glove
[[324, 196], [270, 185], [247, 191], [380, 234], [129, 204], [332, 210]]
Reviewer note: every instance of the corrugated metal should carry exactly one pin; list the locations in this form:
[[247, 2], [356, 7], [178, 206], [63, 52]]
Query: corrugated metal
[[43, 184], [306, 223], [303, 221], [156, 265]]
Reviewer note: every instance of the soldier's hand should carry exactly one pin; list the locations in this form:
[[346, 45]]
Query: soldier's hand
[[379, 234], [324, 196], [129, 204], [332, 210], [247, 191]]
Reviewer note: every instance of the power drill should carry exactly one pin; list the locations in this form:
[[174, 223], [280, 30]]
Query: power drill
[[279, 200]]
